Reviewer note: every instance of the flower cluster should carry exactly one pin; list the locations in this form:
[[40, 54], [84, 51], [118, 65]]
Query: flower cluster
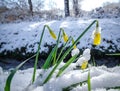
[[83, 59]]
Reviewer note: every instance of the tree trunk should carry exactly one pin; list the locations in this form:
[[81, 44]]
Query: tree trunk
[[30, 7], [67, 12], [75, 8]]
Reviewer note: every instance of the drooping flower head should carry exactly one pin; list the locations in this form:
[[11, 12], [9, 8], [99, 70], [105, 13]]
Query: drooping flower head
[[75, 50], [74, 44], [84, 65], [83, 60], [97, 35], [65, 37], [52, 34]]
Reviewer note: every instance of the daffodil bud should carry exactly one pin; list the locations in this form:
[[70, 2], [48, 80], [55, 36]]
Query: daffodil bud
[[65, 37], [52, 34], [74, 44]]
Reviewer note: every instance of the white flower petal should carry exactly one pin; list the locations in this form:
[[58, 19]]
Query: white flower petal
[[86, 54], [75, 52], [80, 61]]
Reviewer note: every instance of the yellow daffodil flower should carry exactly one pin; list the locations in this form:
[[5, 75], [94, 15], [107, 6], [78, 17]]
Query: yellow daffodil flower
[[73, 42], [97, 34], [65, 37], [84, 65], [97, 37], [52, 34]]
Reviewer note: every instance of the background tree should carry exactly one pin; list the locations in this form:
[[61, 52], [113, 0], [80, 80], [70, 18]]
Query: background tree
[[75, 8], [66, 8], [30, 7], [39, 5]]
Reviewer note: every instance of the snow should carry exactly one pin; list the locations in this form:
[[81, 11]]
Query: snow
[[101, 78], [27, 34]]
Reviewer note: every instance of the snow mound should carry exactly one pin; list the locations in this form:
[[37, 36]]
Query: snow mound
[[101, 78]]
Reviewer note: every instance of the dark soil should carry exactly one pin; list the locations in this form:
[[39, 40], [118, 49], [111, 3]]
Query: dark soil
[[8, 63], [12, 63]]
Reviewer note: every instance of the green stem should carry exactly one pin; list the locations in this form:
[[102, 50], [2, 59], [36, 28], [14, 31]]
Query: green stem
[[55, 53], [49, 59], [63, 48], [37, 55], [10, 77], [89, 81], [97, 23], [72, 59]]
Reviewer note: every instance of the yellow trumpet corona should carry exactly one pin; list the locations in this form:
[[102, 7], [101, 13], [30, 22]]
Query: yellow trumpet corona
[[84, 65], [97, 36]]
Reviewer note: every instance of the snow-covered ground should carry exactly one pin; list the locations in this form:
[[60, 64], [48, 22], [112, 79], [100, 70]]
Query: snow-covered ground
[[101, 78], [15, 36], [27, 34]]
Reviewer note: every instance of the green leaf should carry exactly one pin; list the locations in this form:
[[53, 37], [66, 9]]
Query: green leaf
[[89, 82], [37, 55], [10, 77], [69, 88], [56, 48], [49, 59], [113, 54], [66, 43], [66, 65]]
